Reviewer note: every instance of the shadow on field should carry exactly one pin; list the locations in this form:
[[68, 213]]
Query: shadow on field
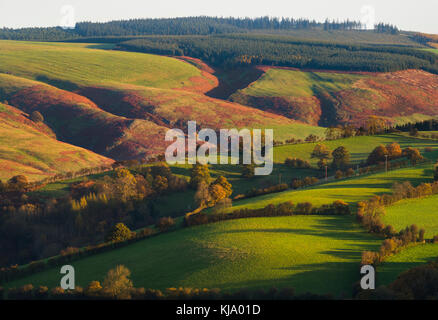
[[389, 271], [333, 278], [60, 84], [337, 228]]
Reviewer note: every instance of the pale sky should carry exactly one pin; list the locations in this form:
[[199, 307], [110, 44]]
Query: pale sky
[[418, 15]]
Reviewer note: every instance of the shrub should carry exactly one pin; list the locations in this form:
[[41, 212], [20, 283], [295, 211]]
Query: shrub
[[117, 283], [119, 232], [68, 251], [165, 223], [350, 172], [369, 258], [339, 174], [297, 163], [36, 116]]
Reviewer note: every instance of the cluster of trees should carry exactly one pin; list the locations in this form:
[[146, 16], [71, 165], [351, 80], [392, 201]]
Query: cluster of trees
[[208, 193], [283, 209], [301, 183], [31, 228], [393, 151], [428, 125], [343, 25], [37, 34], [340, 156], [297, 163], [251, 49], [386, 28]]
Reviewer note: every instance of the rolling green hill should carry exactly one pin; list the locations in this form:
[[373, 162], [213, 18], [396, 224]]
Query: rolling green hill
[[350, 190], [316, 254]]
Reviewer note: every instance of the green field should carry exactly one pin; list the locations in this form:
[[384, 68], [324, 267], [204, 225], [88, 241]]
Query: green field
[[278, 82], [406, 259], [422, 212], [308, 253], [66, 65], [350, 190]]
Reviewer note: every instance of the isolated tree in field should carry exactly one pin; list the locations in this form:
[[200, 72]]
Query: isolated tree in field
[[117, 283], [199, 173], [413, 154], [36, 116], [394, 151], [322, 153], [119, 232], [377, 155], [341, 158]]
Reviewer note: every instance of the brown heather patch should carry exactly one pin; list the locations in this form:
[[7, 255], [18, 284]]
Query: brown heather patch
[[389, 95]]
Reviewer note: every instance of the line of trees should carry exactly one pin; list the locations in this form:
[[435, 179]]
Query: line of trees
[[338, 207], [179, 26]]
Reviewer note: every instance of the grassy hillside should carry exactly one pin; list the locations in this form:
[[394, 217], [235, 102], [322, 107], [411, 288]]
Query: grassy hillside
[[31, 149], [70, 65], [359, 147], [327, 98], [422, 212], [406, 259], [162, 90], [317, 254], [349, 190]]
